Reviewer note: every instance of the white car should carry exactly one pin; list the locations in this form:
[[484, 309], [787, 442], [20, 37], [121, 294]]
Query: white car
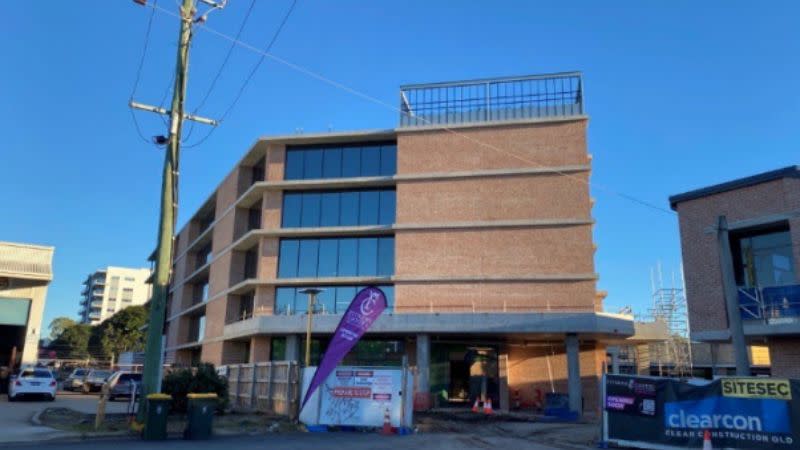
[[33, 382]]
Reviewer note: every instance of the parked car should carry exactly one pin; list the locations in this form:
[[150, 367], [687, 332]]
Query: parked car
[[33, 382], [122, 384], [74, 381], [94, 380]]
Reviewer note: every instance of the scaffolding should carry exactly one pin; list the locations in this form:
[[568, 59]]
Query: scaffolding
[[674, 356]]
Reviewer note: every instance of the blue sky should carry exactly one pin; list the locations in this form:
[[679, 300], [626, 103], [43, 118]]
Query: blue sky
[[681, 94]]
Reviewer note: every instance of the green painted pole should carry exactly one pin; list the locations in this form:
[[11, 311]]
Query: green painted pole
[[151, 382]]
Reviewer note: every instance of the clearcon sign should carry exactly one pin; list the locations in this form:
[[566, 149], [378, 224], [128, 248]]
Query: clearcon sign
[[743, 413]]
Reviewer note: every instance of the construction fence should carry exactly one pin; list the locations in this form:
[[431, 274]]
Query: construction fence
[[268, 387]]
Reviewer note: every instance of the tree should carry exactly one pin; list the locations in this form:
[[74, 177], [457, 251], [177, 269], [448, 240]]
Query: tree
[[58, 325], [122, 332], [73, 341]]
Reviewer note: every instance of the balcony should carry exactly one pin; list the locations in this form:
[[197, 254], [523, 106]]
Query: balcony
[[773, 305], [492, 100]]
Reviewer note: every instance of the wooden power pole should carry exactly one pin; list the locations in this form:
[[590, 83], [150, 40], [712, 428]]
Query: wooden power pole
[[151, 382]]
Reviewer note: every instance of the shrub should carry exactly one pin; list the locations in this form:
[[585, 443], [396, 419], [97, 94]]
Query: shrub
[[200, 379]]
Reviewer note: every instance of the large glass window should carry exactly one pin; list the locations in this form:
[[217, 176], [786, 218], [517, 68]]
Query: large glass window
[[367, 257], [763, 257], [332, 299], [287, 263], [336, 257], [308, 262], [339, 208], [315, 162]]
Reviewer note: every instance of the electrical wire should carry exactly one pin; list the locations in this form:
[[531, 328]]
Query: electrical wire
[[221, 68], [264, 53], [138, 78], [377, 101]]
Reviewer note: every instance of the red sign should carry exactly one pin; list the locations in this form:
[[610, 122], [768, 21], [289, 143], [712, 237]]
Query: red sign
[[352, 392]]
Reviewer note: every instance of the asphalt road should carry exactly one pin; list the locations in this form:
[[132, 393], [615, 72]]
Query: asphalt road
[[15, 418], [302, 441]]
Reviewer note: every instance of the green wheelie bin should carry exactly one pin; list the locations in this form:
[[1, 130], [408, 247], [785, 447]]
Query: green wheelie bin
[[200, 414], [155, 427]]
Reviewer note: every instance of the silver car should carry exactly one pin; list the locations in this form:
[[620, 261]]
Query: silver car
[[123, 384], [93, 381], [74, 381]]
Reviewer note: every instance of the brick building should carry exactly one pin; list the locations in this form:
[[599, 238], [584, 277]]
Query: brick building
[[480, 234], [763, 214]]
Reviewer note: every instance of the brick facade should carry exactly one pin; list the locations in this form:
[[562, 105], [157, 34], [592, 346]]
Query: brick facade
[[776, 199]]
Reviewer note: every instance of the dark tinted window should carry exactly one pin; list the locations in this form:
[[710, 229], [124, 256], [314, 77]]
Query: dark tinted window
[[370, 161], [332, 163], [287, 258], [336, 257], [36, 373], [294, 165], [292, 205], [351, 162], [317, 162], [311, 209], [389, 159], [339, 208]]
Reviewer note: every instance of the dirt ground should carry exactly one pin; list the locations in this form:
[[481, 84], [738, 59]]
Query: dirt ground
[[529, 428], [473, 430]]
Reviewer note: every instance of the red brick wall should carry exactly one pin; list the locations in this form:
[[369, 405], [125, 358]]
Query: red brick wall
[[528, 372], [784, 354]]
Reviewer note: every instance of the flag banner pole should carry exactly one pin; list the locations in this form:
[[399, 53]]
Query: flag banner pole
[[366, 306]]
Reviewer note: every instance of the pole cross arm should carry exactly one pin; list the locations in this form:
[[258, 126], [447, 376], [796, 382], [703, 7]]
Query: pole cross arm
[[166, 112]]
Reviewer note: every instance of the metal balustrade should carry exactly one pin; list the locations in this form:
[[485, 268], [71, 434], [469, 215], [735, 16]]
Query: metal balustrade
[[769, 303], [492, 100]]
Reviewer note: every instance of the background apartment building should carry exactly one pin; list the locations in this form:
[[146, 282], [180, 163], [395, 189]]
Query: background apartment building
[[25, 273], [480, 235], [763, 213], [109, 290]]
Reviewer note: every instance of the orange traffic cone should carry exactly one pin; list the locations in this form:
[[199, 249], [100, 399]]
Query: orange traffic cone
[[707, 440], [387, 425], [475, 406], [487, 407]]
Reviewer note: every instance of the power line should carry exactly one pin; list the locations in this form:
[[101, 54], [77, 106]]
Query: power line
[[357, 93], [139, 71], [221, 67], [264, 53]]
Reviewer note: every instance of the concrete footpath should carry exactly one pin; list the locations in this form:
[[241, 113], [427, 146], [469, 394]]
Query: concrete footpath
[[17, 424], [303, 441]]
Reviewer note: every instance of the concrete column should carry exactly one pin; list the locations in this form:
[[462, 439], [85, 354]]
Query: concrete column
[[614, 353], [293, 347], [422, 397], [259, 349], [502, 362], [573, 373]]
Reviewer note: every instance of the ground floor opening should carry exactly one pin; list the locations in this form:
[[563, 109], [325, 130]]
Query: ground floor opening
[[513, 371], [12, 340]]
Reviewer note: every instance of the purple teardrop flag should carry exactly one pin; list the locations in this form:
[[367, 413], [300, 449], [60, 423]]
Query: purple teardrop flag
[[367, 305]]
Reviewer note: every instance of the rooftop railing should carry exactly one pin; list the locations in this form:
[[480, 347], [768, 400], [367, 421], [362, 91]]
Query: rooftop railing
[[492, 100]]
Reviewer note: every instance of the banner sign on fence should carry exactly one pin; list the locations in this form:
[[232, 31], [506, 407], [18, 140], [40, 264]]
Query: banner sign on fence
[[361, 396], [367, 305], [741, 413]]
